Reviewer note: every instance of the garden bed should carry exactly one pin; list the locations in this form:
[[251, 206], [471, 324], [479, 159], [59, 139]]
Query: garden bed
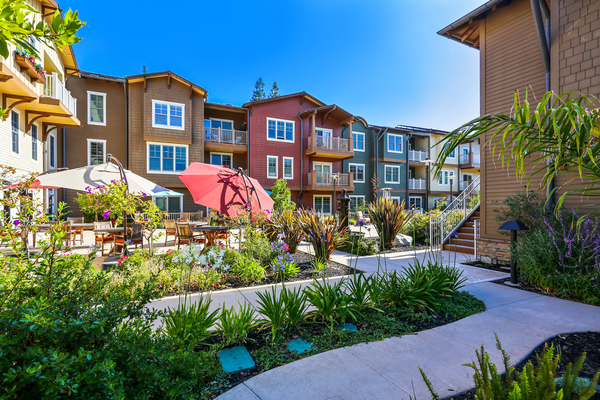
[[570, 346]]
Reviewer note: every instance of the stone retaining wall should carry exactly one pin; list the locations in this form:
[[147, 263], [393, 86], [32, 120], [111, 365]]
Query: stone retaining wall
[[493, 251]]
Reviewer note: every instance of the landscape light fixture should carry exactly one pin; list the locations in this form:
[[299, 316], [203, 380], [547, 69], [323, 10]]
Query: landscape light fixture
[[513, 227]]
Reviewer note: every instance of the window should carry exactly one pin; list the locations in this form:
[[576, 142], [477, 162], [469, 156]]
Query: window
[[453, 154], [281, 130], [395, 199], [96, 151], [356, 201], [15, 125], [96, 108], [359, 172], [272, 167], [221, 159], [52, 151], [167, 115], [214, 127], [392, 174], [166, 158], [395, 143], [445, 177], [34, 143], [359, 141], [288, 167], [322, 204], [414, 201]]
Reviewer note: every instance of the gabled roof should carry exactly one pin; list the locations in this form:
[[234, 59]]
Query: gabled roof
[[225, 107], [94, 75], [168, 74], [332, 111], [423, 130], [286, 96]]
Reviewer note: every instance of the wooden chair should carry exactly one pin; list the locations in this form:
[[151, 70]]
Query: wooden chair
[[361, 217], [77, 231], [103, 238], [135, 235], [64, 227], [184, 216], [170, 230], [185, 235]]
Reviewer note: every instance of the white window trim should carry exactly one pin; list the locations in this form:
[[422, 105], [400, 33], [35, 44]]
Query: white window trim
[[35, 161], [276, 167], [364, 172], [89, 149], [12, 153], [450, 176], [364, 143], [322, 196], [318, 128], [401, 143], [48, 141], [281, 140], [385, 174], [168, 126], [283, 171], [396, 199], [358, 197], [416, 197], [222, 154], [187, 157], [322, 163], [463, 176], [89, 108]]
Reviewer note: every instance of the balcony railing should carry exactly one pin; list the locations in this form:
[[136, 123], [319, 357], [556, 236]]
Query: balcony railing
[[417, 184], [464, 184], [469, 158], [330, 143], [228, 136], [56, 89], [327, 179], [417, 155]]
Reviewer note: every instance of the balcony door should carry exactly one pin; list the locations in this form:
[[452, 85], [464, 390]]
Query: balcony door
[[216, 126], [324, 137], [323, 172]]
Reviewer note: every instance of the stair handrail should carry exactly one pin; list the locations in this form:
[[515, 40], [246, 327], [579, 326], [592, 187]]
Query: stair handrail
[[442, 226]]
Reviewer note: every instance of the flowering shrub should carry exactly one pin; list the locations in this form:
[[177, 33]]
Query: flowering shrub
[[191, 255], [284, 266], [38, 67], [285, 222]]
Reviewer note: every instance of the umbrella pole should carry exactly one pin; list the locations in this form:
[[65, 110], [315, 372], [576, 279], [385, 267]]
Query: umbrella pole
[[124, 178]]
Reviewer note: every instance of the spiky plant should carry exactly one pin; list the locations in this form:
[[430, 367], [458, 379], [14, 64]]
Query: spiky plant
[[325, 234], [389, 217], [285, 223]]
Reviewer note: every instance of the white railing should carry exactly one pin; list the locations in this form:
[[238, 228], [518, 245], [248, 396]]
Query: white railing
[[464, 158], [417, 184], [417, 155], [442, 226], [327, 178], [464, 184], [230, 136], [476, 158], [330, 143], [56, 89]]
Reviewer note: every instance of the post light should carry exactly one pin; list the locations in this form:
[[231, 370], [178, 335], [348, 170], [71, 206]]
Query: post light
[[451, 179], [513, 227]]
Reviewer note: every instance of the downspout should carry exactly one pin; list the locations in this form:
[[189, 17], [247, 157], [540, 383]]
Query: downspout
[[379, 136], [126, 124], [64, 159], [428, 174], [301, 159], [407, 171]]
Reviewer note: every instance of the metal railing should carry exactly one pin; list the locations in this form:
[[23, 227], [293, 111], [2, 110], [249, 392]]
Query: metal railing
[[418, 155], [417, 184], [229, 136], [475, 237], [464, 184], [329, 143], [465, 158], [56, 89], [327, 178], [442, 226], [195, 216]]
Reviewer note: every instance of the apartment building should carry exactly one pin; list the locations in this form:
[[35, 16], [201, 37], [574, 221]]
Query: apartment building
[[226, 135], [553, 45], [38, 103]]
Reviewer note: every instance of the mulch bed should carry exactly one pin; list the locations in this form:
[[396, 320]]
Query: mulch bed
[[493, 267], [571, 346]]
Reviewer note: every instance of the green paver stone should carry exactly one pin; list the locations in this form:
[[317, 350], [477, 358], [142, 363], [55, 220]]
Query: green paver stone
[[347, 327], [235, 359], [300, 346]]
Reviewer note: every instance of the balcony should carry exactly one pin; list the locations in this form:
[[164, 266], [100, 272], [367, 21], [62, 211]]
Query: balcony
[[323, 181], [229, 140], [55, 89], [417, 184], [329, 147], [464, 184], [469, 160], [418, 155]]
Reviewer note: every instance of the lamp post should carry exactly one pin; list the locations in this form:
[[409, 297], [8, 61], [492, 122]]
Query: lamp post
[[427, 184], [513, 227], [110, 158], [451, 179], [334, 178]]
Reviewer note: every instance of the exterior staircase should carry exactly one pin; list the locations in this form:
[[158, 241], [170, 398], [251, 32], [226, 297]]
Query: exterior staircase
[[462, 240]]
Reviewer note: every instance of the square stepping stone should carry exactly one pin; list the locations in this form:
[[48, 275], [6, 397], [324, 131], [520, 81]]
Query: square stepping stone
[[235, 359], [300, 346], [347, 327]]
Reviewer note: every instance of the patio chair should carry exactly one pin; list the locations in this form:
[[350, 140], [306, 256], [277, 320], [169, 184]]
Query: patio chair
[[102, 237], [184, 217], [170, 230], [135, 235], [361, 217], [65, 228], [185, 235], [77, 231]]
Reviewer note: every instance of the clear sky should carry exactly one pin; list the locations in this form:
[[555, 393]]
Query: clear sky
[[378, 59]]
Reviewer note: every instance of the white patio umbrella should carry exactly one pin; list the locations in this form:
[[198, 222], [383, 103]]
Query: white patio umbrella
[[97, 175]]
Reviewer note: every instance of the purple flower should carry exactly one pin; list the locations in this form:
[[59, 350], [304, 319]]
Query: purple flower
[[139, 201], [144, 194], [17, 222]]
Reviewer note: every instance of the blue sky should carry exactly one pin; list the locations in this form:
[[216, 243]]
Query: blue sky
[[378, 59]]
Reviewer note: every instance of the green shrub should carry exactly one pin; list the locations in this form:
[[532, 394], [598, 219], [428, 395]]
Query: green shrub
[[281, 195], [524, 207], [388, 216], [272, 306], [295, 305], [330, 302], [258, 246], [355, 244], [190, 322], [284, 225], [248, 269], [418, 226], [324, 233], [235, 324]]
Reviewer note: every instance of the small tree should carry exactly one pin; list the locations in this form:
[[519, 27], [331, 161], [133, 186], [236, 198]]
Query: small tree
[[153, 216], [274, 91], [281, 195], [259, 90], [375, 183]]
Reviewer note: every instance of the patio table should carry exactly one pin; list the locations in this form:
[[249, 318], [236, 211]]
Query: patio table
[[110, 231], [46, 227], [211, 233]]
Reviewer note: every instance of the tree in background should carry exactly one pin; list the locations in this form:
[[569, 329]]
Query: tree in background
[[144, 69], [259, 90], [281, 195], [274, 91]]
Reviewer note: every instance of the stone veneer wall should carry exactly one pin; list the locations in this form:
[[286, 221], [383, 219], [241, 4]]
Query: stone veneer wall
[[493, 251]]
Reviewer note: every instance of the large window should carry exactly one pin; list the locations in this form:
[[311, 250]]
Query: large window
[[96, 151], [221, 159], [445, 177], [392, 174], [96, 108], [219, 130], [322, 204], [280, 129], [34, 143], [359, 141], [288, 167], [359, 172], [356, 201], [166, 158], [414, 201], [15, 127], [394, 143], [272, 167], [167, 115]]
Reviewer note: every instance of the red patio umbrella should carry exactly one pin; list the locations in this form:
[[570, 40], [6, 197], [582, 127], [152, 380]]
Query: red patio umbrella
[[219, 188], [34, 185]]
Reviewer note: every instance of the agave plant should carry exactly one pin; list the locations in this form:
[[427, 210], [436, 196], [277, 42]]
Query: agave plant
[[325, 234], [389, 217], [285, 223]]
